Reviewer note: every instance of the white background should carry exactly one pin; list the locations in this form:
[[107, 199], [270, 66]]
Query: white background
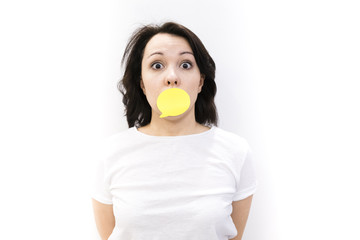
[[288, 81]]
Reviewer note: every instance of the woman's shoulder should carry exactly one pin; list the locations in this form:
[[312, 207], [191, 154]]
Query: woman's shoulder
[[230, 142], [101, 150], [229, 136]]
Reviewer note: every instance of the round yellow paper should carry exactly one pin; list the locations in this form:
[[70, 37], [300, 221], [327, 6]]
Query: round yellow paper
[[173, 102]]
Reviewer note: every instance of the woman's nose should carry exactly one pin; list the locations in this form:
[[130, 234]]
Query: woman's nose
[[172, 82], [172, 78]]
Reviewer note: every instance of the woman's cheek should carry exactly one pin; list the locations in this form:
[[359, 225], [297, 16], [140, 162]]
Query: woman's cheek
[[152, 99]]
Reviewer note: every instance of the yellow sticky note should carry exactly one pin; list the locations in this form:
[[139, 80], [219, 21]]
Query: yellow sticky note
[[173, 102]]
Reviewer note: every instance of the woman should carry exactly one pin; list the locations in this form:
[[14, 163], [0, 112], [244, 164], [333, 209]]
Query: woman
[[173, 174]]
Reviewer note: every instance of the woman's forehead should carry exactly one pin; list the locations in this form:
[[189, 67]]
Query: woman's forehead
[[164, 43]]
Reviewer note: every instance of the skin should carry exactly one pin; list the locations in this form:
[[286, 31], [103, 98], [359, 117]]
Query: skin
[[104, 218], [240, 214], [168, 62]]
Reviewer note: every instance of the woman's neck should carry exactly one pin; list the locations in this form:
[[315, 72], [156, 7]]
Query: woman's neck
[[184, 124]]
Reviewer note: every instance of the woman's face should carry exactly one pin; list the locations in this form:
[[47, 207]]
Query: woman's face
[[168, 62]]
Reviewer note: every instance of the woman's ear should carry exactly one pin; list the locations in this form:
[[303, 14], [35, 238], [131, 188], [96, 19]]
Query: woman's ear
[[202, 79], [142, 86]]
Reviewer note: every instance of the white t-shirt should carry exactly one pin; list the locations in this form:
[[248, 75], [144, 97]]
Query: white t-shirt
[[174, 187]]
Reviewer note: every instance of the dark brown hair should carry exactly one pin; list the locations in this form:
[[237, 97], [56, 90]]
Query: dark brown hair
[[137, 108]]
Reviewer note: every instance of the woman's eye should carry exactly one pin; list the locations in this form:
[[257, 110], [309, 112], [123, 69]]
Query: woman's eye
[[157, 65], [186, 65]]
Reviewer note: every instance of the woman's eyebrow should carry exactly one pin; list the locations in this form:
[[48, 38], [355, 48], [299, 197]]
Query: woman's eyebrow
[[186, 53], [160, 53], [154, 53]]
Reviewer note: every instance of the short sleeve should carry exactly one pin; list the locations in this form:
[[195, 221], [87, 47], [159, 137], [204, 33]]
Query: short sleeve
[[248, 183], [100, 189]]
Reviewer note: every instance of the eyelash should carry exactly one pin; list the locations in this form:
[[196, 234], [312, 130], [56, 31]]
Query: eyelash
[[187, 63], [153, 65]]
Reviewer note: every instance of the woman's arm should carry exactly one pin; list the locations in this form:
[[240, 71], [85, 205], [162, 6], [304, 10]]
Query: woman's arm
[[240, 215], [104, 218]]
